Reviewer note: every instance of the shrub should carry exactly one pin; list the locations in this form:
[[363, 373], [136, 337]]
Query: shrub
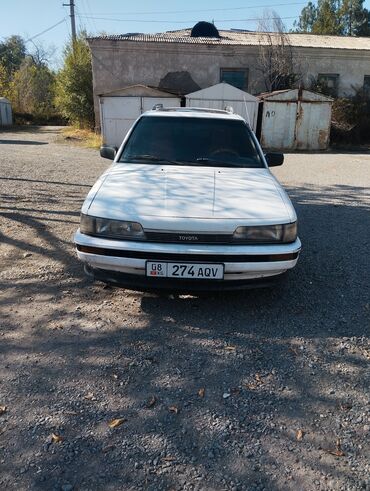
[[351, 119]]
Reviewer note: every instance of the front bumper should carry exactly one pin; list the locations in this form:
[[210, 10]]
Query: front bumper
[[123, 262]]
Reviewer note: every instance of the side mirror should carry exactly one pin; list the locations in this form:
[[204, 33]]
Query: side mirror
[[274, 158], [108, 152]]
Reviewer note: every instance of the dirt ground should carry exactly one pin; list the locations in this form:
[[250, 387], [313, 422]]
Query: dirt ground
[[259, 390]]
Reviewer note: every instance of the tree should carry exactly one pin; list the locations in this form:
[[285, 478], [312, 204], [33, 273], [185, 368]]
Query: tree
[[327, 19], [74, 91], [306, 19], [355, 18], [335, 17], [276, 57], [32, 89], [12, 53], [364, 28], [25, 78], [5, 82], [40, 54]]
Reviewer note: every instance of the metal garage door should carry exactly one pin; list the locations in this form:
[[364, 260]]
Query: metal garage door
[[119, 113], [221, 95], [295, 119], [279, 125], [312, 128], [117, 116]]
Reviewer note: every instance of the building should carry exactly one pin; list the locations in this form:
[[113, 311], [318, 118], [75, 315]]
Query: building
[[185, 61]]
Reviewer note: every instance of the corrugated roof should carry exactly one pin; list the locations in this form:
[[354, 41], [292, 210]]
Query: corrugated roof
[[294, 95], [222, 91], [238, 38], [127, 88]]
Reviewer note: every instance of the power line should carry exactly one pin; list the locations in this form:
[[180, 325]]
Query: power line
[[159, 12], [90, 13], [80, 21], [186, 21], [71, 6], [46, 30], [81, 13], [87, 11]]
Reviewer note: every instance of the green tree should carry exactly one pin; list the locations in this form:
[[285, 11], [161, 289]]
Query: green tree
[[364, 28], [32, 89], [327, 19], [307, 18], [12, 53], [74, 91], [355, 18], [335, 17]]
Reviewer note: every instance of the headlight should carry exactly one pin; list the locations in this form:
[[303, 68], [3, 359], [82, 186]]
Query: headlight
[[267, 234], [115, 229]]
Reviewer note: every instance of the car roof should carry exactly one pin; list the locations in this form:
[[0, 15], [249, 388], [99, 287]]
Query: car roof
[[192, 112]]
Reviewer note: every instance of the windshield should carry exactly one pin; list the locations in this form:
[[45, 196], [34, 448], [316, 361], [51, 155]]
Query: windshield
[[192, 141]]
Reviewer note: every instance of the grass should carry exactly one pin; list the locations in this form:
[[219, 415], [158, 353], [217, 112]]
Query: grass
[[85, 138]]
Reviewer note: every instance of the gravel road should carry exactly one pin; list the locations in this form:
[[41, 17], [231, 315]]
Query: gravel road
[[261, 390]]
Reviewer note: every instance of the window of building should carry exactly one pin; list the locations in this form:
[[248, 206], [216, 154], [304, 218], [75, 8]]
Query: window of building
[[329, 83], [367, 85], [238, 77]]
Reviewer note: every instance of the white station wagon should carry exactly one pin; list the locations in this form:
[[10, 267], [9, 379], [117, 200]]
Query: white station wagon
[[188, 204]]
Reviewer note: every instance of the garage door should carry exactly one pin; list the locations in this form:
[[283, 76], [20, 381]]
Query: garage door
[[117, 116], [278, 125], [119, 113], [312, 128], [246, 109]]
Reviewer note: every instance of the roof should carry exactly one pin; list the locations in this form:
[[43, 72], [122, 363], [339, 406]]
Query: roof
[[4, 99], [222, 91], [139, 90], [244, 38], [288, 95]]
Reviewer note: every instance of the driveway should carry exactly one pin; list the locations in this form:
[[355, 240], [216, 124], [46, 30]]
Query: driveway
[[261, 390]]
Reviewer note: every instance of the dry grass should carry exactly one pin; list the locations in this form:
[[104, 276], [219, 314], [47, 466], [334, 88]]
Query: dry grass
[[84, 138]]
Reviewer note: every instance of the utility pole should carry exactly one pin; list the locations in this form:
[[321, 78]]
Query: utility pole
[[71, 6]]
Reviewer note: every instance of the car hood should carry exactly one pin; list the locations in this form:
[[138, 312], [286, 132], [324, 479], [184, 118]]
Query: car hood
[[136, 191]]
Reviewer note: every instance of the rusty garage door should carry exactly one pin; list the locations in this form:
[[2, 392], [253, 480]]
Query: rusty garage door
[[295, 120]]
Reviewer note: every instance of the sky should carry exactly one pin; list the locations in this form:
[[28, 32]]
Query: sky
[[32, 19]]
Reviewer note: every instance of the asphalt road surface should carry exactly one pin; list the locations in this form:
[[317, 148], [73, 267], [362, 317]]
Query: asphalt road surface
[[258, 390]]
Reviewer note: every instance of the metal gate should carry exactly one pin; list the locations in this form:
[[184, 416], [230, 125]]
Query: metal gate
[[118, 114], [295, 120]]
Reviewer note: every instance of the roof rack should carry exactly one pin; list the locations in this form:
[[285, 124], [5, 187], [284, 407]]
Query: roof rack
[[159, 107]]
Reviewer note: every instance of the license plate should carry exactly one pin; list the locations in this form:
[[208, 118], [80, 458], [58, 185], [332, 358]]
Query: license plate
[[196, 271]]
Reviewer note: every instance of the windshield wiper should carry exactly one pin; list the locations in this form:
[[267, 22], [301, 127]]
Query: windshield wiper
[[143, 157], [215, 161], [153, 158]]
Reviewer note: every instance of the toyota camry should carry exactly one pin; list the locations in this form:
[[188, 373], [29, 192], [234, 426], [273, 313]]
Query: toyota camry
[[189, 203]]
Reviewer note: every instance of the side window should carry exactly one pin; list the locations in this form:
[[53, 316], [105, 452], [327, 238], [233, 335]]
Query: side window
[[238, 77], [329, 81], [367, 85]]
